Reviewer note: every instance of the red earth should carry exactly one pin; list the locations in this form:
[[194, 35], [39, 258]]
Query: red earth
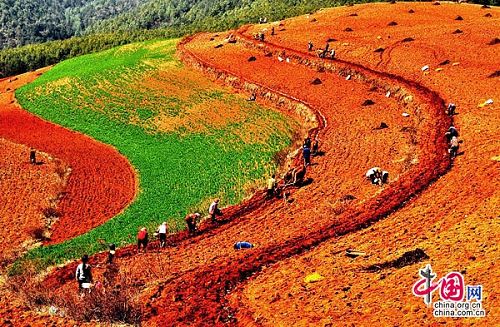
[[449, 211], [27, 193], [102, 182], [187, 283]]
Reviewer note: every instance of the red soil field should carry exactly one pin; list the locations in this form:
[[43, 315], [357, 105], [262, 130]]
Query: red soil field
[[26, 191], [102, 182], [187, 283], [454, 221], [450, 214]]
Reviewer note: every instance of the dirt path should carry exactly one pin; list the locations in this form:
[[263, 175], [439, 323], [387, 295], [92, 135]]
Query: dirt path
[[102, 182]]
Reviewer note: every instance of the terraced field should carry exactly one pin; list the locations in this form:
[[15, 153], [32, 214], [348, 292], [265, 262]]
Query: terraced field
[[188, 139], [446, 209]]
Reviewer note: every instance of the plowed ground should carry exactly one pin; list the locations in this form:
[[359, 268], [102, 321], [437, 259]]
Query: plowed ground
[[102, 181], [26, 192], [187, 283], [455, 221], [453, 218]]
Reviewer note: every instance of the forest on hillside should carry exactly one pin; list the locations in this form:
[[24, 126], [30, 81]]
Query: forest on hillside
[[33, 21]]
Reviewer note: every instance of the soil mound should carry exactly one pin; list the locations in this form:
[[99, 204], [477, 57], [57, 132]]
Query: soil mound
[[495, 74], [408, 39], [368, 102], [408, 258], [393, 23], [495, 41], [316, 81]]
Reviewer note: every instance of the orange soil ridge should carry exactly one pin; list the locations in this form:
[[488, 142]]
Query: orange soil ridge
[[188, 283], [102, 182]]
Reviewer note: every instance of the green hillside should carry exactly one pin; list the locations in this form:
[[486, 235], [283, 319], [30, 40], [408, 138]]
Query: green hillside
[[189, 139]]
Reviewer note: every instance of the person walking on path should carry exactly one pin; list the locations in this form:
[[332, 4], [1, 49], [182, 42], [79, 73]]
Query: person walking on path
[[214, 211], [142, 239], [374, 175], [307, 142], [306, 154], [162, 234], [315, 147], [452, 131], [451, 109], [454, 144], [83, 274], [271, 187], [191, 222], [111, 253]]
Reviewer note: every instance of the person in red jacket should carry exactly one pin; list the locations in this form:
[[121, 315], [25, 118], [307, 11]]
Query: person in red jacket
[[142, 239]]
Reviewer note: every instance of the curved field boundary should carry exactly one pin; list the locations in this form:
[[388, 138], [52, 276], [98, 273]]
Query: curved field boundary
[[102, 181]]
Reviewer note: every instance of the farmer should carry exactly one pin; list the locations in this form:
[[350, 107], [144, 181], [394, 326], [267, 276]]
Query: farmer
[[315, 147], [310, 46], [453, 150], [307, 142], [32, 156], [191, 222], [214, 211], [298, 175], [142, 239], [271, 187], [272, 31], [451, 109], [385, 177], [452, 131], [162, 234], [332, 53], [111, 253], [84, 274], [306, 154], [374, 175]]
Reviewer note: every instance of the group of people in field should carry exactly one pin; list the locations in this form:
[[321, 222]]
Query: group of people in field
[[294, 176]]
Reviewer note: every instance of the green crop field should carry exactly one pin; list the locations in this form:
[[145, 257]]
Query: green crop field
[[189, 139]]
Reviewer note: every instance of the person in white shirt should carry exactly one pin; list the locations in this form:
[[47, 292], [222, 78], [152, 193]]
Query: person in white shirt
[[214, 211], [84, 274], [162, 234]]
